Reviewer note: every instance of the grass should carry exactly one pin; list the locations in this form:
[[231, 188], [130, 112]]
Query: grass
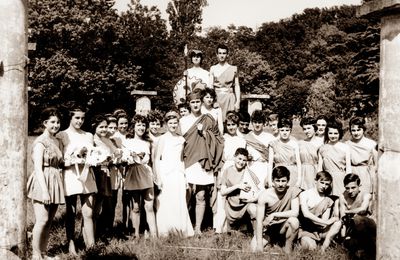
[[207, 246]]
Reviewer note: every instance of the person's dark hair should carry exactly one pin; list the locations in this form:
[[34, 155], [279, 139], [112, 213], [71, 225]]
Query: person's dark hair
[[280, 172], [323, 175], [97, 119], [334, 124], [49, 112], [232, 116], [185, 105], [118, 111], [244, 116], [351, 177], [110, 119], [172, 114], [195, 94], [223, 47], [285, 122], [155, 115], [75, 108], [321, 117], [359, 121], [210, 91], [309, 121], [273, 117], [257, 116], [196, 53], [242, 151], [138, 118], [122, 115]]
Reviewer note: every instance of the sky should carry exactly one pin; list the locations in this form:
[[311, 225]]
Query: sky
[[251, 13]]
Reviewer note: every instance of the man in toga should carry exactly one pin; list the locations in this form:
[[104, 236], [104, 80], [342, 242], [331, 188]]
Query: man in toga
[[224, 79], [202, 154]]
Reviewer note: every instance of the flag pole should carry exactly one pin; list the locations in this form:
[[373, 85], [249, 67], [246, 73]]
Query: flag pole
[[185, 52]]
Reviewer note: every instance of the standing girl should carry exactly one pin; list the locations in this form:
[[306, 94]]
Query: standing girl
[[209, 99], [334, 156], [79, 179], [285, 152], [106, 149], [138, 183], [172, 214], [45, 186], [363, 155], [309, 153]]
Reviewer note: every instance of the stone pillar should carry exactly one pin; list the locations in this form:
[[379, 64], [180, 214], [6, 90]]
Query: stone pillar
[[13, 128], [388, 208]]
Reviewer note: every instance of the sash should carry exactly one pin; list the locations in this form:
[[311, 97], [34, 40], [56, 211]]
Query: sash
[[257, 145]]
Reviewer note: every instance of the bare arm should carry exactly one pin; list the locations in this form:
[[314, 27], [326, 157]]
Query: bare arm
[[363, 207], [293, 212], [259, 221], [237, 91], [307, 214], [342, 206], [270, 163], [227, 190], [38, 151], [348, 160], [320, 162], [298, 164], [211, 79]]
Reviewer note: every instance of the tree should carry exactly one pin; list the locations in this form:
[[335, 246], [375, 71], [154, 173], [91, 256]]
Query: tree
[[86, 52], [322, 97], [185, 18]]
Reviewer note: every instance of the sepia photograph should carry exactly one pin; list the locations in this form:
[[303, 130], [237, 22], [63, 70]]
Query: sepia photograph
[[199, 129]]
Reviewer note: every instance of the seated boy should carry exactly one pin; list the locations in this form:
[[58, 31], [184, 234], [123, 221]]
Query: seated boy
[[235, 189], [317, 223], [277, 211], [359, 230]]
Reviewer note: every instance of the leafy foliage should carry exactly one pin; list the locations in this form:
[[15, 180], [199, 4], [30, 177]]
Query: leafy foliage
[[325, 60]]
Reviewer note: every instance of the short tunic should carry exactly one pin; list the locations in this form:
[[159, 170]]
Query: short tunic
[[139, 176], [73, 141], [234, 207], [52, 161]]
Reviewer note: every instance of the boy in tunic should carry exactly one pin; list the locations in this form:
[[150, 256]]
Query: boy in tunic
[[277, 211], [317, 223], [233, 184], [359, 229]]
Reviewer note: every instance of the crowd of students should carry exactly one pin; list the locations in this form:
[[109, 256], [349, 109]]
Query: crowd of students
[[210, 156], [312, 190]]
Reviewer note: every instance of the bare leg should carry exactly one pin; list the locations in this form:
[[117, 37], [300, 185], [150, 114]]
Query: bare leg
[[308, 243], [149, 207], [125, 208], [39, 230], [87, 201], [333, 231], [252, 210], [135, 211], [290, 229], [52, 212], [200, 209], [70, 203]]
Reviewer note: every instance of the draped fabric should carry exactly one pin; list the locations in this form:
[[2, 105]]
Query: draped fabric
[[205, 147]]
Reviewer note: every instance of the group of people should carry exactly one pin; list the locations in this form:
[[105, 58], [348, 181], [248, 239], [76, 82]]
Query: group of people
[[205, 155]]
